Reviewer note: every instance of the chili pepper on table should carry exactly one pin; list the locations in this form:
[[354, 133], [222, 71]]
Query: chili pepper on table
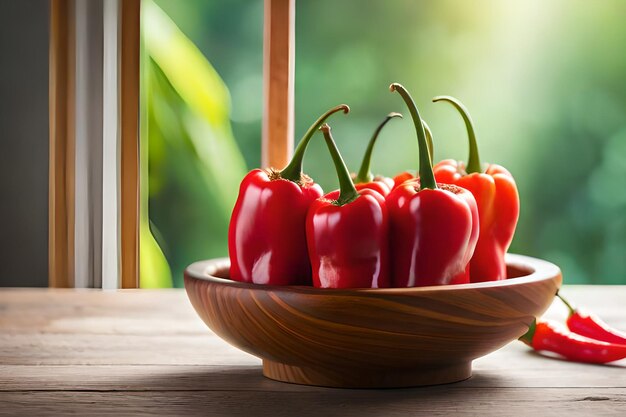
[[347, 233], [549, 336], [590, 325], [434, 227], [364, 178], [266, 235], [496, 196], [408, 175]]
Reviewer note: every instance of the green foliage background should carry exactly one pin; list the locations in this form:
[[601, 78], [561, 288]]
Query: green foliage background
[[544, 80]]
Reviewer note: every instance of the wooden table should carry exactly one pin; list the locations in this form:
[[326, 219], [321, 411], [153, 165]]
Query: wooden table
[[124, 352]]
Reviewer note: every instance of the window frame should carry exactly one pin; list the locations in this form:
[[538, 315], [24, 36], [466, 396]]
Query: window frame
[[119, 223]]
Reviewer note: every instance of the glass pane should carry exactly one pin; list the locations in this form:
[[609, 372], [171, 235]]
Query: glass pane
[[543, 81], [195, 164]]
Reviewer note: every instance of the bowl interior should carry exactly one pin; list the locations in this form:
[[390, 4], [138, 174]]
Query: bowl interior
[[520, 269]]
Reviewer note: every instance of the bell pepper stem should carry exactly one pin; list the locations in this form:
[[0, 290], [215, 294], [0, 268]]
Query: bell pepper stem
[[365, 174], [570, 307], [473, 162], [347, 191], [427, 177], [429, 140], [293, 171]]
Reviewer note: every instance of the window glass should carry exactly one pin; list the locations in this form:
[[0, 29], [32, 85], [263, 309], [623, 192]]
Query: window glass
[[543, 81]]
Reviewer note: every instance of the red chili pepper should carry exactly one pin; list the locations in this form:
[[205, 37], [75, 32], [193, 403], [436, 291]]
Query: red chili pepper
[[266, 235], [590, 325], [497, 199], [409, 175], [434, 227], [553, 337], [347, 233], [364, 178]]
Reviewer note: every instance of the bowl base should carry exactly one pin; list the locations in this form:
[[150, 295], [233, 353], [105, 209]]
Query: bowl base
[[367, 378]]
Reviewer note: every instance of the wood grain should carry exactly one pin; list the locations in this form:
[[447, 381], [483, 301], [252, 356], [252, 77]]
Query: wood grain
[[92, 352], [278, 82], [129, 130], [432, 401], [234, 371], [61, 145], [363, 338]]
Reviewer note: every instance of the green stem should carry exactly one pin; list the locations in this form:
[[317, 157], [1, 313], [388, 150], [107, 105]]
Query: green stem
[[571, 308], [528, 336], [429, 140], [293, 171], [427, 178], [365, 175], [347, 192], [473, 162]]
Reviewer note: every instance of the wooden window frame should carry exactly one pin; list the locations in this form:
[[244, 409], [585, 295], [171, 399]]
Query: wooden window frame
[[277, 132]]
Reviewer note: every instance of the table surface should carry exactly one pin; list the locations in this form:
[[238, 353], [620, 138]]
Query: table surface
[[94, 352]]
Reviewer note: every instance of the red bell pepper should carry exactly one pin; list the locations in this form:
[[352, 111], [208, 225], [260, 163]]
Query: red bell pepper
[[266, 235], [498, 203], [364, 178], [347, 233], [434, 227], [408, 175]]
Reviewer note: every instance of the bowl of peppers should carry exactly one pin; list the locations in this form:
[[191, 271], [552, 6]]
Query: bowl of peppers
[[381, 283]]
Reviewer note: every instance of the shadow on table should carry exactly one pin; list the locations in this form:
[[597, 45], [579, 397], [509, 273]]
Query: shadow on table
[[234, 391]]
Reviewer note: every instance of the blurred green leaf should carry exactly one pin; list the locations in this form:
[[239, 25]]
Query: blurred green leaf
[[154, 271], [195, 164]]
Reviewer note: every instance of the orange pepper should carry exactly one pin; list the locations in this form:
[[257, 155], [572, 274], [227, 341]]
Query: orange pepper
[[497, 198]]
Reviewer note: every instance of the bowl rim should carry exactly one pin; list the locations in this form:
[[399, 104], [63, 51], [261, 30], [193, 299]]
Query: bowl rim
[[539, 270]]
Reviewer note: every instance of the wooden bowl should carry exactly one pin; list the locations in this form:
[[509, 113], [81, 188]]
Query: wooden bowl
[[371, 338]]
